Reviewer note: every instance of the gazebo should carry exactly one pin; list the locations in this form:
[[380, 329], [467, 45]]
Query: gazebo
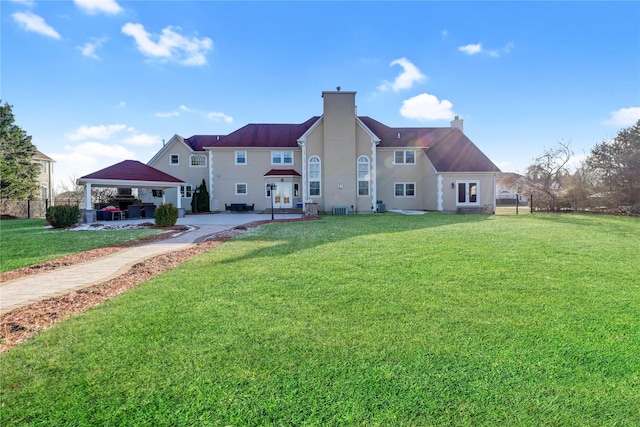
[[127, 174]]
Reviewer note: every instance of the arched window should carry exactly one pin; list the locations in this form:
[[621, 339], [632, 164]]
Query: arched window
[[364, 177], [314, 176], [198, 161]]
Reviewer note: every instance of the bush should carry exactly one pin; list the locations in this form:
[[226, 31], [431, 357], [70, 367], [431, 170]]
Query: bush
[[166, 215], [63, 216], [635, 209]]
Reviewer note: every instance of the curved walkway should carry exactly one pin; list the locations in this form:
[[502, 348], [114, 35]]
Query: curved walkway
[[20, 292]]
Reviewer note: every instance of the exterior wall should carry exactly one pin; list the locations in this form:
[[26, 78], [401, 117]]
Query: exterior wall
[[315, 147], [339, 163], [226, 174], [189, 174], [44, 179], [486, 199], [389, 174], [364, 204]]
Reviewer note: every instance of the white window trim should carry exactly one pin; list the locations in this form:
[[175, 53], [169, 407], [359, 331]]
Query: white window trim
[[191, 157], [404, 158], [319, 180], [185, 189], [282, 157], [246, 187], [368, 180], [177, 163], [466, 182], [235, 158], [404, 191]]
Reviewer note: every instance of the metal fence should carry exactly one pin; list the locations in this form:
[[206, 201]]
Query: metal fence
[[29, 208]]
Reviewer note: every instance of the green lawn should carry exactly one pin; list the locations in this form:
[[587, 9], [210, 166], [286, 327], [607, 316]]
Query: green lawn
[[371, 320], [26, 242]]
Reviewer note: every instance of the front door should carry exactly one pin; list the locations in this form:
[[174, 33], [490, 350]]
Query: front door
[[282, 195]]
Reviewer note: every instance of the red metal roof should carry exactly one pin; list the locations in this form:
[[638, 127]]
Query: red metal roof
[[198, 142], [132, 170], [265, 135], [282, 172], [449, 150]]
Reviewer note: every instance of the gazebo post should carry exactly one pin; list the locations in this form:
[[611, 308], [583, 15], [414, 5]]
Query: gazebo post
[[88, 212]]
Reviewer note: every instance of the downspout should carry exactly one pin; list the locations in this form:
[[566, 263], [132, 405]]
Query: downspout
[[374, 177], [439, 192]]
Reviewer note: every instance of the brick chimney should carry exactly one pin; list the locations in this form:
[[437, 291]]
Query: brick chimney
[[456, 123]]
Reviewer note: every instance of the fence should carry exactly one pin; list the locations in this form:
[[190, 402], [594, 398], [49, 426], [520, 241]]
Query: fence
[[30, 208]]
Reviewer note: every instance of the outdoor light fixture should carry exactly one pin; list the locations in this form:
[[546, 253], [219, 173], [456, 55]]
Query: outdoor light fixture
[[272, 186], [453, 186]]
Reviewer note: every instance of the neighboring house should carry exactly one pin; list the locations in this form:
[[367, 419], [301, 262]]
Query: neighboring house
[[337, 160], [508, 185], [44, 178]]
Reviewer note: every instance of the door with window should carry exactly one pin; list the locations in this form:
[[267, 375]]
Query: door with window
[[282, 195]]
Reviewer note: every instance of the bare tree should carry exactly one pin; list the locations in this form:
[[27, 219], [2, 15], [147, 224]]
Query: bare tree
[[545, 175]]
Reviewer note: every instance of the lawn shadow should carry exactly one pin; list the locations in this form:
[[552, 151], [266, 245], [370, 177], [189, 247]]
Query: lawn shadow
[[295, 236]]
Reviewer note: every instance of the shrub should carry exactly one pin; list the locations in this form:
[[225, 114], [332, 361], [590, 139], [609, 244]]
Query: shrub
[[166, 215], [63, 216]]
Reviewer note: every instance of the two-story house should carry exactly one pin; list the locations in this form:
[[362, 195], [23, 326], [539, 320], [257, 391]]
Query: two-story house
[[337, 160]]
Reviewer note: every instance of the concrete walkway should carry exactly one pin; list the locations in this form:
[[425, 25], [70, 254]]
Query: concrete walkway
[[20, 292]]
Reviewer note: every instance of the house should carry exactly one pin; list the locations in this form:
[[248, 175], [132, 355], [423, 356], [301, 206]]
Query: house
[[44, 178], [338, 162]]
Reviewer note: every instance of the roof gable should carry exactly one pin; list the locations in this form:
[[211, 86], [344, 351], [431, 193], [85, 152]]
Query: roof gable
[[448, 150]]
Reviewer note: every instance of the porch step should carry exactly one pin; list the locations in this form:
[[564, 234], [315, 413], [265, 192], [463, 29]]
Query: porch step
[[283, 211]]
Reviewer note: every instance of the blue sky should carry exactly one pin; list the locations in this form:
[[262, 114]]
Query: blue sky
[[97, 82]]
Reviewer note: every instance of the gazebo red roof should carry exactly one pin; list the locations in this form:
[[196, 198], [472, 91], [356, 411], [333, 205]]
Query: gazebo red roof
[[132, 170]]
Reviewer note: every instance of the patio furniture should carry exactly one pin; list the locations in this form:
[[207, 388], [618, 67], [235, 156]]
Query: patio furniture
[[134, 211], [149, 210]]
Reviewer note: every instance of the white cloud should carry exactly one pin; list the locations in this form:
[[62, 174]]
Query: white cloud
[[92, 7], [216, 117], [141, 139], [474, 49], [426, 107], [89, 48], [410, 75], [444, 34], [88, 157], [122, 104], [32, 22], [624, 117], [471, 49], [169, 114], [170, 45], [95, 132], [185, 108]]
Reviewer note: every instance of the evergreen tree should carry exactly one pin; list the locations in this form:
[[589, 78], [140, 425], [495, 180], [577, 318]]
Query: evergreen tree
[[17, 170], [203, 198]]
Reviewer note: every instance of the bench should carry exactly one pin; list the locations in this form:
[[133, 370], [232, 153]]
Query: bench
[[237, 207]]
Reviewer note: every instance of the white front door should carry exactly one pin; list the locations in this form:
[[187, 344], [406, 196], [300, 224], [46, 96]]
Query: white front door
[[282, 195]]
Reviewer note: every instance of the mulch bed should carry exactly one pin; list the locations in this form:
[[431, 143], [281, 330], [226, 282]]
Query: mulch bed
[[23, 323]]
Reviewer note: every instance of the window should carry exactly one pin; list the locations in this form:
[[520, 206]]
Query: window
[[314, 176], [267, 190], [241, 189], [174, 159], [405, 189], [404, 157], [363, 176], [296, 190], [44, 191], [43, 164], [241, 157], [467, 192], [198, 161], [282, 157], [186, 191]]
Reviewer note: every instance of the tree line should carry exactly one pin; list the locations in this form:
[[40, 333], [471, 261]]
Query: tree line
[[608, 179]]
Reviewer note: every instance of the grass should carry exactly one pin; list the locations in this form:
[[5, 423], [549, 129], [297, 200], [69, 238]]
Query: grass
[[368, 320], [26, 242]]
